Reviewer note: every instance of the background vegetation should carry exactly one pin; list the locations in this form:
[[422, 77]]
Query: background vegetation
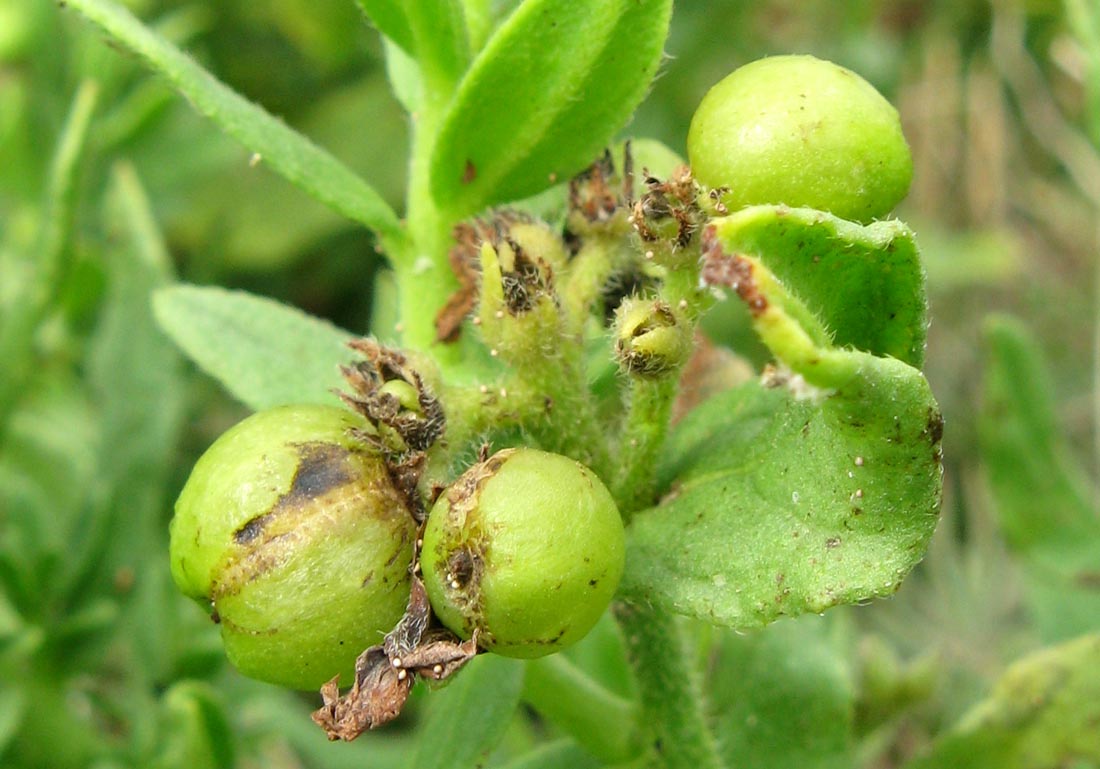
[[110, 185]]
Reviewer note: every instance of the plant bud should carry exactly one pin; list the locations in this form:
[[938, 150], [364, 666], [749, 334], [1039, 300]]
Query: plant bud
[[652, 340], [526, 549], [291, 531]]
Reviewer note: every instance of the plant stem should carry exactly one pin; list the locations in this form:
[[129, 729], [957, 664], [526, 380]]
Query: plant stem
[[604, 723], [671, 692], [643, 435]]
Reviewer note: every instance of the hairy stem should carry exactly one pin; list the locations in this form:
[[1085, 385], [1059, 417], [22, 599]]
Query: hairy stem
[[671, 691], [604, 723], [643, 435]]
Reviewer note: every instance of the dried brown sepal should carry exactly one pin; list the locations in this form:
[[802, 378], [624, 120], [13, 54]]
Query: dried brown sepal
[[384, 674], [406, 635], [377, 697], [527, 282], [668, 209], [440, 654], [416, 428], [592, 194]]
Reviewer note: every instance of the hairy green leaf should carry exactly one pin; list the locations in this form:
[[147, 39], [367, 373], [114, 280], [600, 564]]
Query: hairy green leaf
[[286, 151], [1044, 499], [1042, 714], [782, 697], [818, 485], [265, 353], [469, 717], [544, 96], [863, 283]]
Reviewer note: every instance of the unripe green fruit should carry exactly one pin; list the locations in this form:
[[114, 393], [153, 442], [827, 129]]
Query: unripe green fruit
[[800, 131], [293, 533], [526, 548]]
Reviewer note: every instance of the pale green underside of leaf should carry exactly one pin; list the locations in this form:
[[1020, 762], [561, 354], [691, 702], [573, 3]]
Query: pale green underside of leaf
[[283, 149], [265, 353], [1042, 714], [815, 487], [545, 95], [864, 283]]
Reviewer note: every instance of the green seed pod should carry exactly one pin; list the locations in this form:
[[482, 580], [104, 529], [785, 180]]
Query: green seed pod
[[293, 534], [526, 549], [800, 131]]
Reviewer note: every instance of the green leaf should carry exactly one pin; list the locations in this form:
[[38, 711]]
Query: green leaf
[[1044, 498], [442, 47], [782, 697], [265, 353], [390, 19], [555, 755], [544, 96], [467, 718], [197, 734], [283, 149], [863, 283], [1041, 714], [817, 486]]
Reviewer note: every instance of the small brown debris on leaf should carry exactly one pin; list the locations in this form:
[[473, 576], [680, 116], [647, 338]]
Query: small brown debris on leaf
[[728, 270]]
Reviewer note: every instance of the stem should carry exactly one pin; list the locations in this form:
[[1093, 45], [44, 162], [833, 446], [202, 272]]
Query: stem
[[602, 722], [671, 692], [643, 435], [424, 277]]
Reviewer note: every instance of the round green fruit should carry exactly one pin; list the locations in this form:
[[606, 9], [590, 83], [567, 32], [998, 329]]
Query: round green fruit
[[294, 536], [799, 131], [526, 549]]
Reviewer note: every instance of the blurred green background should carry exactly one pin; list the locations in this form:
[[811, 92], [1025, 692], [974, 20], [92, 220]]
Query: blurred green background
[[110, 186]]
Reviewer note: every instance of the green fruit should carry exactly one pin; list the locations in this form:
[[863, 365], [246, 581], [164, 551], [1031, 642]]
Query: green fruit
[[527, 549], [292, 532], [803, 132]]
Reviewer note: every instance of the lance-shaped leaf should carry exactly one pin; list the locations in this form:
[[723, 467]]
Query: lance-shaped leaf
[[263, 352], [864, 283], [544, 96], [1042, 714], [818, 485], [287, 152]]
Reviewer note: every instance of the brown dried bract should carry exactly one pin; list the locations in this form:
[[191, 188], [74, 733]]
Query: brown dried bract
[[384, 674], [377, 697], [730, 271], [419, 428], [668, 205], [592, 194]]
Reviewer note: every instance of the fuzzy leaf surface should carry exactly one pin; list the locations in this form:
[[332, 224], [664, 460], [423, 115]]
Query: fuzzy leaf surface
[[813, 487], [864, 283], [265, 353], [389, 17], [547, 92]]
